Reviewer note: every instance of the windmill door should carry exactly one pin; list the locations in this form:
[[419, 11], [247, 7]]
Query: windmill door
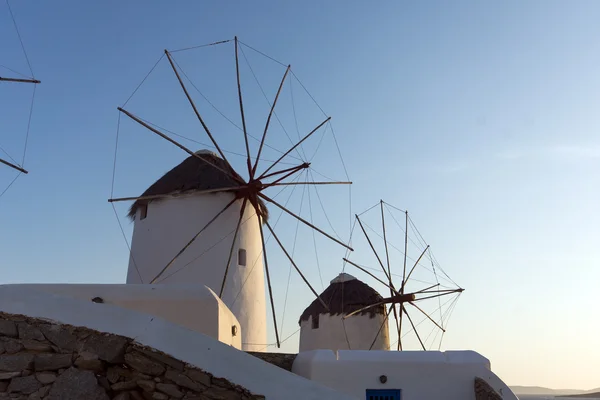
[[383, 394]]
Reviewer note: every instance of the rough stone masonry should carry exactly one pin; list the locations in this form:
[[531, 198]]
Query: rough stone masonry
[[42, 360]]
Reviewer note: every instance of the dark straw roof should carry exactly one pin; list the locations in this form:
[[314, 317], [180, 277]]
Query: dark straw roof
[[193, 175], [344, 295]]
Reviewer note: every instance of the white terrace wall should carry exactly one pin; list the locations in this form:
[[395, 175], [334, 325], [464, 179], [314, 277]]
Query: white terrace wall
[[420, 375], [203, 352], [193, 306]]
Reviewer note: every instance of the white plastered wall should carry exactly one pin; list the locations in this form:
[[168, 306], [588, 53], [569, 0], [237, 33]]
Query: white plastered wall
[[169, 226], [195, 307], [419, 375], [186, 345]]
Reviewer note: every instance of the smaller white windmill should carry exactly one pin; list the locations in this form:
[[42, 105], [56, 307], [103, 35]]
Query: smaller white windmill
[[412, 292]]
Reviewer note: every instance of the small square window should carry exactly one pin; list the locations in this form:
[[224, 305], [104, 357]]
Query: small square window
[[315, 322], [242, 257], [143, 211]]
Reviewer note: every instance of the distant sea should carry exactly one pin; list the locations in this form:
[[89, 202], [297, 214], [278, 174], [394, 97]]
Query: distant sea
[[549, 397]]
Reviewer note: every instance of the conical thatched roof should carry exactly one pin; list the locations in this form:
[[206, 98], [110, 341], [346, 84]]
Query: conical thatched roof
[[192, 175], [344, 295]]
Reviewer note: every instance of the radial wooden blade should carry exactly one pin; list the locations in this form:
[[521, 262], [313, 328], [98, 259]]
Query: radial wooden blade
[[295, 266], [262, 141], [304, 221], [294, 146], [212, 139], [239, 87], [14, 166], [262, 238], [414, 327]]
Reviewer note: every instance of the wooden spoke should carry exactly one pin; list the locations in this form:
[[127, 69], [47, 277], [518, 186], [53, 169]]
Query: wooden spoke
[[19, 80], [192, 241], [294, 146], [262, 239], [161, 196], [387, 257], [427, 288], [441, 294], [237, 229], [307, 183], [371, 275], [427, 315], [405, 251], [373, 248], [387, 315], [399, 348], [262, 141], [194, 107], [182, 147], [14, 166], [283, 171], [275, 182], [239, 87], [304, 221], [295, 266], [413, 326], [414, 266]]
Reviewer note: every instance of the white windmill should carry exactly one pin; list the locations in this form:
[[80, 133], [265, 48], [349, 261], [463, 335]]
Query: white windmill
[[202, 222]]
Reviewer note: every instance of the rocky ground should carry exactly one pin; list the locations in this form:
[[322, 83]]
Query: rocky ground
[[42, 360]]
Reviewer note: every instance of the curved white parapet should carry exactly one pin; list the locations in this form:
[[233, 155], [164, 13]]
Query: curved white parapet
[[195, 307], [184, 344], [418, 374]]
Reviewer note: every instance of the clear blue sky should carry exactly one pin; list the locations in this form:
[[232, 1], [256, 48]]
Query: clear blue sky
[[480, 118]]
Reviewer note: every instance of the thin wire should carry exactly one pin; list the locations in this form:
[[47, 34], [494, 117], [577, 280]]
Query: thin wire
[[314, 237], [10, 184], [127, 242], [28, 125], [14, 71], [272, 344], [323, 208], [202, 45], [143, 80], [307, 92], [339, 151], [112, 186], [20, 40], [227, 118], [263, 54], [8, 155], [320, 142], [201, 143], [269, 103], [417, 325], [293, 252], [295, 117]]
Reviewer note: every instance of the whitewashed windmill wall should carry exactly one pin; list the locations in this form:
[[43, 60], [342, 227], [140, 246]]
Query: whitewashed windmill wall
[[163, 227], [322, 329]]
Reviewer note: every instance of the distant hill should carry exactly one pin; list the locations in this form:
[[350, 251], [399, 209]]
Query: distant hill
[[533, 390], [543, 391], [594, 395]]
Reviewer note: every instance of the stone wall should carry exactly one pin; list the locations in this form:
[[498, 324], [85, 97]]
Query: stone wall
[[44, 360], [483, 391], [281, 360]]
